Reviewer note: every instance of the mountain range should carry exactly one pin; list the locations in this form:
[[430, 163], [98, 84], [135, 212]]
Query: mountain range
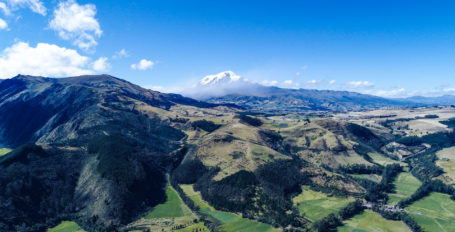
[[103, 152], [229, 88]]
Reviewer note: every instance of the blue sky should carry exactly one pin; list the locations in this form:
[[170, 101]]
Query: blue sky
[[387, 48]]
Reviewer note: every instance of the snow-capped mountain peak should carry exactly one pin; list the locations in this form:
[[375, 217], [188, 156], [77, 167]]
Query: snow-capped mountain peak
[[220, 78]]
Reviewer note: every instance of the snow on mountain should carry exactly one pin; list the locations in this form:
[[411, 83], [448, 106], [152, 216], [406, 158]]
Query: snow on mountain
[[221, 84], [221, 78]]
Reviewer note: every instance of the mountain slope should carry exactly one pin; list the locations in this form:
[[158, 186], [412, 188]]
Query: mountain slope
[[103, 148], [45, 109]]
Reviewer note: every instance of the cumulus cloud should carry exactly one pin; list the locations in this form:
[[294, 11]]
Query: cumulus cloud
[[360, 84], [35, 5], [393, 93], [332, 82], [121, 54], [101, 65], [77, 23], [288, 82], [4, 8], [305, 67], [159, 88], [42, 60], [143, 65], [312, 82], [3, 24], [298, 73]]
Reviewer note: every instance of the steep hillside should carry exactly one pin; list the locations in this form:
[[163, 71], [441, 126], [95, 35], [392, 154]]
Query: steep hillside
[[59, 110], [98, 159]]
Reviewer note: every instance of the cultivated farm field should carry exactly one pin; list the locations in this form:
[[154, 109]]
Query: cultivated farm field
[[317, 205], [371, 221], [447, 163], [435, 212], [405, 185]]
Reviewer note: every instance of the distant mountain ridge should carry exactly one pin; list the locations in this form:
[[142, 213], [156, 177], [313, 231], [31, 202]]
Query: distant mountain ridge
[[230, 88], [277, 99], [440, 100]]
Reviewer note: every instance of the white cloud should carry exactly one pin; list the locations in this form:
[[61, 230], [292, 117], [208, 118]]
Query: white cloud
[[4, 8], [332, 82], [3, 24], [121, 54], [298, 73], [159, 88], [313, 82], [143, 65], [269, 83], [288, 82], [42, 60], [12, 5], [360, 84], [449, 90], [35, 5], [305, 67], [393, 93], [77, 23], [101, 65]]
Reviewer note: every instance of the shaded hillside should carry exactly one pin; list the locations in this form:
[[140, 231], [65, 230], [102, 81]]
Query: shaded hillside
[[102, 153], [58, 110]]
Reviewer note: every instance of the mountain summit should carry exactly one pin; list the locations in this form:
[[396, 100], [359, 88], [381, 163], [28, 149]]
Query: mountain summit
[[225, 77]]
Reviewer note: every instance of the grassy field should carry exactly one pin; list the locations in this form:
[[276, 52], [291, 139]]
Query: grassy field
[[173, 207], [66, 226], [382, 160], [352, 158], [371, 221], [231, 222], [4, 151], [405, 185], [169, 215], [317, 205], [447, 163], [434, 213]]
